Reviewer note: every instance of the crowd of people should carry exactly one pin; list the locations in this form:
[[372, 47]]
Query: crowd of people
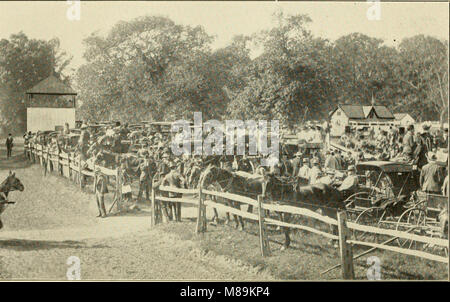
[[144, 152]]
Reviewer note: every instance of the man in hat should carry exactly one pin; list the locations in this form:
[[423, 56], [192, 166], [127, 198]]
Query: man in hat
[[315, 173], [286, 168], [101, 188], [296, 163], [350, 183], [303, 172], [423, 147], [9, 145], [431, 176], [409, 144], [147, 168], [164, 167]]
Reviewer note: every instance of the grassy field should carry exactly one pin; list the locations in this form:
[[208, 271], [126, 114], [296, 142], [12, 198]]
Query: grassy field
[[53, 219]]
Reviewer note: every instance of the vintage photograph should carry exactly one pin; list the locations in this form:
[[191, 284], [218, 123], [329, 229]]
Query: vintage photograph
[[224, 141]]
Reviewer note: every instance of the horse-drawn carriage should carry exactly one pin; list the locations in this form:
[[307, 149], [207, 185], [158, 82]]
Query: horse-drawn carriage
[[389, 196]]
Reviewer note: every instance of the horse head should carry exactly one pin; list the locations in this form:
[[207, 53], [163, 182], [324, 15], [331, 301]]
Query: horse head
[[11, 183]]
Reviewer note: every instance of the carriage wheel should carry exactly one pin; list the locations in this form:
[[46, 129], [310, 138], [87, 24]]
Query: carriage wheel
[[367, 217], [413, 221], [350, 203]]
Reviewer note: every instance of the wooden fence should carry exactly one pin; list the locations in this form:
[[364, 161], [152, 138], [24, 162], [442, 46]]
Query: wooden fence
[[345, 228], [73, 168], [202, 198]]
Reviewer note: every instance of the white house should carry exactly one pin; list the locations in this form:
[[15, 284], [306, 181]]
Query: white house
[[403, 119], [357, 115]]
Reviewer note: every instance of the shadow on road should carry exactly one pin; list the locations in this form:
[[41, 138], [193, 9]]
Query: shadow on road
[[33, 245]]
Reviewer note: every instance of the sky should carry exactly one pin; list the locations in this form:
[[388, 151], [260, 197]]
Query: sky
[[330, 20]]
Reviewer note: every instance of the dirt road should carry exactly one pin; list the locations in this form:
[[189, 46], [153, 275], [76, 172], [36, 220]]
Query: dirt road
[[53, 220]]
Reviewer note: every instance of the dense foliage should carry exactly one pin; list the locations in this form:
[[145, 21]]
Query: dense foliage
[[25, 62], [151, 68]]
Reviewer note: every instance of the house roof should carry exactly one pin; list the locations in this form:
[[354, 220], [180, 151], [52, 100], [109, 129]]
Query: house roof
[[362, 112], [400, 116], [52, 85]]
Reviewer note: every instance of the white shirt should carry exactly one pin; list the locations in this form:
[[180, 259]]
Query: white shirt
[[303, 172], [314, 174]]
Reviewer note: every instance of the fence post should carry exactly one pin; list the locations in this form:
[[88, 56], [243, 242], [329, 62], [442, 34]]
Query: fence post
[[60, 166], [153, 217], [201, 217], [95, 177], [69, 156], [263, 241], [80, 175], [46, 161], [119, 187], [345, 248]]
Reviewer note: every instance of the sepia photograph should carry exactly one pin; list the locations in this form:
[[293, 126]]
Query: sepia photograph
[[224, 141]]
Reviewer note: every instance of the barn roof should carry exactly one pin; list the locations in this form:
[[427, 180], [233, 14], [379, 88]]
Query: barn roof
[[400, 116], [52, 85], [362, 112]]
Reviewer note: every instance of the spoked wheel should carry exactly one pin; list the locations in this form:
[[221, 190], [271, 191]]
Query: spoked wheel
[[412, 221], [367, 217], [352, 205]]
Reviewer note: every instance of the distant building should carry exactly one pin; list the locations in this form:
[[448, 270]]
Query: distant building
[[345, 117], [403, 119], [50, 105]]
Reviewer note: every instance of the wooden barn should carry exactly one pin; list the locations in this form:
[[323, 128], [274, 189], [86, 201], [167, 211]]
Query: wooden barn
[[50, 104]]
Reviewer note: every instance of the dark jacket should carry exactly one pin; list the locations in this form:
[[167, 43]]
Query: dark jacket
[[9, 142]]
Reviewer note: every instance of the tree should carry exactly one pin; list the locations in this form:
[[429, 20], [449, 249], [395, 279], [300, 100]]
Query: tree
[[290, 79], [423, 72], [25, 62], [150, 69]]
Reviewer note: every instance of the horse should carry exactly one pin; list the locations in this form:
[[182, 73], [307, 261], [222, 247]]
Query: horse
[[11, 183], [317, 197], [193, 176], [233, 183]]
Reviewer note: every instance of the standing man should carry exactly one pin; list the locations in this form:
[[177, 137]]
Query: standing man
[[147, 168], [315, 173], [101, 188], [9, 145], [431, 176], [296, 163], [409, 144]]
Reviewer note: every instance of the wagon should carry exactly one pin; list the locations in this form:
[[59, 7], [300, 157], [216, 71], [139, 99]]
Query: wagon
[[389, 196], [383, 194]]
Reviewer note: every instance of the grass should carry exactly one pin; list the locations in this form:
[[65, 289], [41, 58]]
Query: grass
[[309, 255]]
